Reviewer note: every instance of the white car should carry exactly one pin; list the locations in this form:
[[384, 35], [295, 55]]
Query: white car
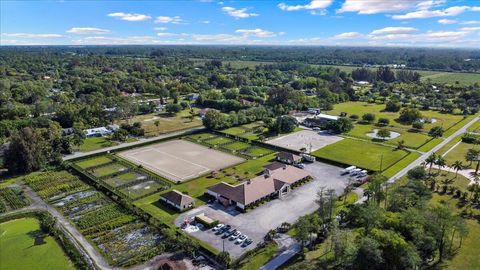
[[235, 235], [218, 227], [240, 239]]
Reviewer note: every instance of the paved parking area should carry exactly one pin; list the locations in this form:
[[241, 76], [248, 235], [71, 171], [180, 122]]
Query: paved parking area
[[305, 139], [257, 222]]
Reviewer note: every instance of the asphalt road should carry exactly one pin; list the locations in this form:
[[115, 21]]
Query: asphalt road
[[123, 145]]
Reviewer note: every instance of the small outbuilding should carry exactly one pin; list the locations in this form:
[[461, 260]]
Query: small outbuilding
[[289, 158], [177, 199]]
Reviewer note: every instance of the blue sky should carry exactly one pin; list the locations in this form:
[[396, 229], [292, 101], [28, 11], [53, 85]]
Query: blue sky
[[431, 23]]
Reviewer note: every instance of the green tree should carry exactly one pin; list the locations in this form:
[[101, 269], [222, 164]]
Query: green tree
[[28, 151], [457, 166], [383, 133], [436, 132]]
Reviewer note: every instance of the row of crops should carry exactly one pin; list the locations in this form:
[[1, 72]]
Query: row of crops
[[121, 236], [12, 199], [121, 176], [230, 145]]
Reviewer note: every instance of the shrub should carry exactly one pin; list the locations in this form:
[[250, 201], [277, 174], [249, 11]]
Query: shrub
[[383, 121]]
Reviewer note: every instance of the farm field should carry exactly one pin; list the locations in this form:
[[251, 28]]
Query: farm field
[[361, 154], [252, 131], [167, 123], [121, 176], [24, 246], [121, 237], [12, 199]]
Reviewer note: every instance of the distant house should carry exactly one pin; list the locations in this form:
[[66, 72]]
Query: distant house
[[245, 102], [276, 182], [362, 83], [100, 131], [319, 119], [289, 158], [177, 199], [203, 112], [192, 97], [313, 110]]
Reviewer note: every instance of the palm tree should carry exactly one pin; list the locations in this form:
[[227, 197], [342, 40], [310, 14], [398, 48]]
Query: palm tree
[[440, 162], [430, 161], [401, 144], [457, 166]]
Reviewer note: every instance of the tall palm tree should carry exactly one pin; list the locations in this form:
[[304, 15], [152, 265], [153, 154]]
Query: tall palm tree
[[430, 161], [457, 166], [440, 162]]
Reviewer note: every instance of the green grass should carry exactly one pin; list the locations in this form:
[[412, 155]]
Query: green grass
[[401, 164], [458, 125], [236, 146], [412, 139], [93, 162], [108, 169], [258, 151], [360, 108], [458, 153], [167, 123], [431, 144], [258, 258], [449, 145], [122, 179], [95, 143], [141, 189], [475, 127], [219, 140], [459, 181], [361, 154], [21, 249]]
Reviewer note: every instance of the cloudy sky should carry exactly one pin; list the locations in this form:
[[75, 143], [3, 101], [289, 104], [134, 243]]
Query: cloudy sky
[[431, 23]]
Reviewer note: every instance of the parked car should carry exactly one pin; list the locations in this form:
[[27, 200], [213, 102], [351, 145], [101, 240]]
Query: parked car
[[229, 233], [240, 239], [218, 227], [300, 165], [316, 129], [235, 235], [247, 242]]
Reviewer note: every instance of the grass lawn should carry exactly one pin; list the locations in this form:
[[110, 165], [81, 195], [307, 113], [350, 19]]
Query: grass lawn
[[167, 123], [361, 154], [475, 127], [360, 108], [140, 189], [243, 131], [24, 247], [459, 152], [95, 143], [95, 161], [401, 164], [236, 146], [431, 144], [122, 179], [197, 187], [259, 258], [218, 140], [459, 181], [412, 139], [258, 151], [108, 169]]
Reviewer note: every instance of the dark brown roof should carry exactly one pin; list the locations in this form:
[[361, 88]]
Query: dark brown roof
[[288, 156], [274, 166], [177, 197]]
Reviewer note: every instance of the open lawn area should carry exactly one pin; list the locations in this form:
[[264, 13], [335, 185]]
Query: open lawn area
[[361, 108], [24, 246], [459, 152], [95, 143], [361, 154], [197, 187], [258, 258], [108, 169], [251, 131], [166, 122], [412, 139], [475, 127], [95, 161]]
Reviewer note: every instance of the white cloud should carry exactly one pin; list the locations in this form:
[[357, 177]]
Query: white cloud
[[217, 38], [393, 30], [470, 22], [470, 29], [131, 40], [313, 5], [240, 13], [87, 30], [160, 28], [167, 19], [448, 12], [131, 17], [256, 32], [206, 22], [447, 21], [165, 34], [348, 35], [33, 36], [378, 6]]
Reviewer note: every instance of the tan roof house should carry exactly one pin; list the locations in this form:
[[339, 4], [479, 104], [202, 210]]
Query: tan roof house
[[177, 199], [289, 158], [275, 182]]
